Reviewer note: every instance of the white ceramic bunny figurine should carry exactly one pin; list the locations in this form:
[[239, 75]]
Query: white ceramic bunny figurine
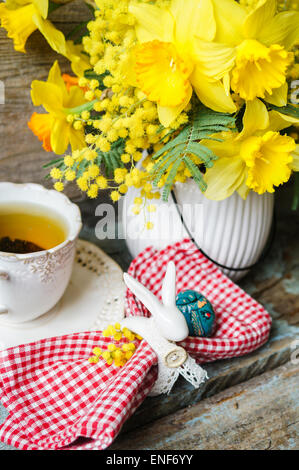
[[166, 325], [169, 320]]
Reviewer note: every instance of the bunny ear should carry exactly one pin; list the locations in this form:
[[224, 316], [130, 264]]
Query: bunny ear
[[148, 299], [169, 285]]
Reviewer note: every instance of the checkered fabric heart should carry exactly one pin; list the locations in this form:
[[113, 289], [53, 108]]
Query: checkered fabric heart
[[242, 324], [57, 400]]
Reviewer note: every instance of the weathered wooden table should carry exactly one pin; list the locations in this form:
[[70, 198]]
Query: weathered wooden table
[[250, 402]]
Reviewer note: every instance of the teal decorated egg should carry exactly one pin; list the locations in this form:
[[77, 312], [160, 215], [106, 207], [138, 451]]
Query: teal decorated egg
[[198, 312]]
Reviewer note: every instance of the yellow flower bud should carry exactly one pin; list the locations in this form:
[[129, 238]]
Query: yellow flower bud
[[106, 355], [125, 158], [149, 225], [70, 175], [93, 191], [97, 351], [56, 174], [68, 160], [123, 188], [85, 115], [89, 95], [117, 336], [77, 125], [102, 182], [115, 196], [93, 360], [59, 186]]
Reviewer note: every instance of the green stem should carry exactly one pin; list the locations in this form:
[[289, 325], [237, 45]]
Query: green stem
[[83, 107], [296, 193]]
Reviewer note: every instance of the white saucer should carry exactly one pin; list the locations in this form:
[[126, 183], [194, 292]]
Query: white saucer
[[94, 299]]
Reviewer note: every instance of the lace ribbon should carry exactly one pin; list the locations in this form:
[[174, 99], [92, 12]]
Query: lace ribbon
[[173, 360]]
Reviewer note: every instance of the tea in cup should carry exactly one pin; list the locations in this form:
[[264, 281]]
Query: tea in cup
[[38, 233]]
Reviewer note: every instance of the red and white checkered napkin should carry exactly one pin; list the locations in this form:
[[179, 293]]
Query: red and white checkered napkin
[[242, 324], [55, 397]]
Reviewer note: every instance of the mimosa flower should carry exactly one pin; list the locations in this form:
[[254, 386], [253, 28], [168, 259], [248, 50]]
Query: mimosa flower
[[261, 41], [258, 158], [54, 129], [174, 57], [21, 17]]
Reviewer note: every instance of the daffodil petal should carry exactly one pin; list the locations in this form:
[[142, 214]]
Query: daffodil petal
[[60, 133], [55, 75], [230, 17], [152, 22], [258, 19], [193, 17], [255, 118], [215, 60], [279, 96], [226, 83], [295, 163], [228, 147], [212, 93], [42, 7], [79, 61], [224, 178], [54, 37], [167, 115], [76, 139], [48, 95], [283, 29], [279, 121], [243, 189], [75, 97]]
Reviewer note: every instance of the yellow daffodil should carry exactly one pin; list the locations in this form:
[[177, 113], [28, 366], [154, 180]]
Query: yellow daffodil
[[79, 61], [257, 159], [260, 40], [173, 57], [58, 99], [21, 17]]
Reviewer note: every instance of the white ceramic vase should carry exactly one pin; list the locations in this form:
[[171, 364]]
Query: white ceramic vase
[[232, 232]]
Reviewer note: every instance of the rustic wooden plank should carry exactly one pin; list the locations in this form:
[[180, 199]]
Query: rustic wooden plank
[[260, 414]]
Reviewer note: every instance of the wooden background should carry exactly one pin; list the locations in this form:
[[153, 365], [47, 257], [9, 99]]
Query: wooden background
[[21, 153]]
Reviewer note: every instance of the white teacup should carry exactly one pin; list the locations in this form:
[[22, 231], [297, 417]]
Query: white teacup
[[31, 284]]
